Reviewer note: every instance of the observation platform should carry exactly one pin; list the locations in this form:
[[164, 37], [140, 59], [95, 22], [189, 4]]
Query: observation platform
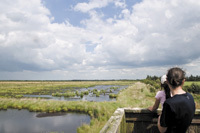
[[138, 120]]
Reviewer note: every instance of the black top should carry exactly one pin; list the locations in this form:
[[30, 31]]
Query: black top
[[177, 113]]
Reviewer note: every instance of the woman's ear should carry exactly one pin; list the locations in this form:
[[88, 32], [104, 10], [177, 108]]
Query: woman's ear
[[183, 82]]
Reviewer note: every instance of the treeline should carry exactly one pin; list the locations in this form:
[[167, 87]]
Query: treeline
[[153, 77], [188, 78], [193, 78]]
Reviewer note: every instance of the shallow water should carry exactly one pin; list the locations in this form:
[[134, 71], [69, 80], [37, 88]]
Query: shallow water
[[90, 97], [23, 121]]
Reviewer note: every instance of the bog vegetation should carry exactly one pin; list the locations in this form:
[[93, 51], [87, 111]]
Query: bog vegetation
[[11, 96], [191, 85]]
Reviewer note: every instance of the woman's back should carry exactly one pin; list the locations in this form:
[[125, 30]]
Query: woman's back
[[180, 109]]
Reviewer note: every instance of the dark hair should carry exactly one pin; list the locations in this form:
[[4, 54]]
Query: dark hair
[[167, 90], [175, 77]]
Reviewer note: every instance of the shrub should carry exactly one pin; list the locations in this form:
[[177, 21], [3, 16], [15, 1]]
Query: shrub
[[19, 96], [114, 88], [86, 92], [152, 89], [95, 91], [82, 95], [67, 94], [77, 93], [102, 92], [112, 95], [154, 83], [97, 94], [193, 88]]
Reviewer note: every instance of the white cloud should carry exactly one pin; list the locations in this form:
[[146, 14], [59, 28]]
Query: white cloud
[[95, 4], [154, 34], [85, 7]]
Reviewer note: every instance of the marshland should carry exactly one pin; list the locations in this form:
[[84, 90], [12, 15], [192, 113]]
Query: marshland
[[52, 102]]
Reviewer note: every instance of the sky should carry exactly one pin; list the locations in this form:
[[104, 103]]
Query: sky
[[98, 39]]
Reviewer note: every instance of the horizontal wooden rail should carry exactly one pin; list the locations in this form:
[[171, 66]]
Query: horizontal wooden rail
[[144, 115], [136, 120]]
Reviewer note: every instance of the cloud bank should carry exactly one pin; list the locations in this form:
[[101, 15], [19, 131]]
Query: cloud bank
[[152, 35]]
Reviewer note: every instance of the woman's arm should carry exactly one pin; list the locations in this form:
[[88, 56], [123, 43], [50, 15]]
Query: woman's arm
[[161, 129], [155, 106]]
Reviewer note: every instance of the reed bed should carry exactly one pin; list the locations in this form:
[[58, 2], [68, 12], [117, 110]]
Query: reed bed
[[13, 88]]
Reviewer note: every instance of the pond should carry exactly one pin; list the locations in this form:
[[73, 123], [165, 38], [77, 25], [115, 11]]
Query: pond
[[23, 121], [90, 97]]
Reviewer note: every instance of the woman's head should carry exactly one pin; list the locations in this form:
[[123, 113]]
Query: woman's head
[[175, 77], [163, 79]]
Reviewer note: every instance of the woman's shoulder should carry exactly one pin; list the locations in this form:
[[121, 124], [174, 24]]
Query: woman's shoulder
[[187, 93], [161, 92]]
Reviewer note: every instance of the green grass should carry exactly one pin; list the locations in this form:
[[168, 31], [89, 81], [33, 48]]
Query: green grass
[[136, 95], [188, 83]]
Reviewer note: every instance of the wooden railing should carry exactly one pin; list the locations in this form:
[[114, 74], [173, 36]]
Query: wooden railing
[[137, 120]]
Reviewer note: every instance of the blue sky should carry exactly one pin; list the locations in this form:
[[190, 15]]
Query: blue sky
[[97, 39], [62, 10]]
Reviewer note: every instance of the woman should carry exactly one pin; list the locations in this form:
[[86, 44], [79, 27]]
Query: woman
[[162, 95], [178, 111]]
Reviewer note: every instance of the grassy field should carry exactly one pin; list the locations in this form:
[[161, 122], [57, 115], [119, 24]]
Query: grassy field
[[13, 88], [136, 95], [188, 83]]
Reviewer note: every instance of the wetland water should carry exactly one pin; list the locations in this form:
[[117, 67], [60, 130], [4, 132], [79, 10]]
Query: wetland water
[[23, 121], [89, 97]]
